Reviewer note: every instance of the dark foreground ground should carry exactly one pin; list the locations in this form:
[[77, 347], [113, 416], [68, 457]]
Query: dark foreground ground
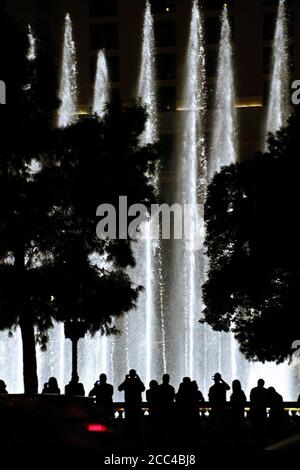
[[62, 423]]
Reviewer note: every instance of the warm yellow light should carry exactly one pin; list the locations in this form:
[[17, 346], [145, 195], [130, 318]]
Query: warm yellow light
[[249, 105], [167, 9]]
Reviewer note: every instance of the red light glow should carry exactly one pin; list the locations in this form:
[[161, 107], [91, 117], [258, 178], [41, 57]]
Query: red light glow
[[97, 428]]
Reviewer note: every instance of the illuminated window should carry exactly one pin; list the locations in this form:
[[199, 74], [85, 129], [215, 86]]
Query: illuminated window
[[167, 98], [166, 66], [104, 36], [165, 33], [163, 6], [100, 8]]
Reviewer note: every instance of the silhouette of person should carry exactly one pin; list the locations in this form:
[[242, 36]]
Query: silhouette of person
[[298, 401], [167, 405], [217, 401], [166, 395], [258, 409], [152, 397], [276, 414], [198, 394], [133, 388], [51, 387], [74, 387], [238, 402], [3, 390], [217, 392], [104, 393], [187, 404]]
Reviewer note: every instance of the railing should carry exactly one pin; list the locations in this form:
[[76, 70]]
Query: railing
[[291, 408]]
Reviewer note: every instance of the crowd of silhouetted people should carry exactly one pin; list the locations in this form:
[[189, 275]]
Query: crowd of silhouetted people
[[164, 403]]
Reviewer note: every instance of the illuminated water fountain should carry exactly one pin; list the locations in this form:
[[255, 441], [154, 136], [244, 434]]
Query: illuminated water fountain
[[279, 96]]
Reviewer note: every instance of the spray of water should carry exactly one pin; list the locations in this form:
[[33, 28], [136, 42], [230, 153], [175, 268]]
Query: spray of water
[[101, 89], [224, 147], [144, 251], [279, 104], [31, 54], [146, 89], [191, 174], [68, 86]]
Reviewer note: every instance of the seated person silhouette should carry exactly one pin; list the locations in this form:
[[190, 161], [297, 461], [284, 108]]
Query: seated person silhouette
[[51, 387], [74, 387], [104, 393], [3, 390]]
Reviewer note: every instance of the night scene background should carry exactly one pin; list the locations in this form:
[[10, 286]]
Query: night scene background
[[187, 102]]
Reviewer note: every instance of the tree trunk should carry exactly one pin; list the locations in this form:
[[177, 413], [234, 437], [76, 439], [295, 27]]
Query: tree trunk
[[26, 325], [29, 355], [74, 357]]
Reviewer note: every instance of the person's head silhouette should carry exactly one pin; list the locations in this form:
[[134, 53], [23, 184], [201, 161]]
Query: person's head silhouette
[[260, 383], [186, 381], [103, 378], [2, 385], [53, 382], [153, 385], [217, 377], [236, 386], [75, 379], [166, 379], [132, 374]]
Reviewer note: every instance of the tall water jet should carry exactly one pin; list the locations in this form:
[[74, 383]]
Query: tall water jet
[[31, 53], [142, 323], [188, 271], [67, 114], [224, 135], [101, 88], [223, 351], [146, 87], [279, 100], [278, 112]]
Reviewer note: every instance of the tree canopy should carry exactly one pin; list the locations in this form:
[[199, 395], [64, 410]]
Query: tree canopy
[[51, 183], [252, 221]]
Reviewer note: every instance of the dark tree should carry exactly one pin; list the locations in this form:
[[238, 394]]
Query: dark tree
[[48, 217], [25, 123], [252, 221], [98, 162]]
